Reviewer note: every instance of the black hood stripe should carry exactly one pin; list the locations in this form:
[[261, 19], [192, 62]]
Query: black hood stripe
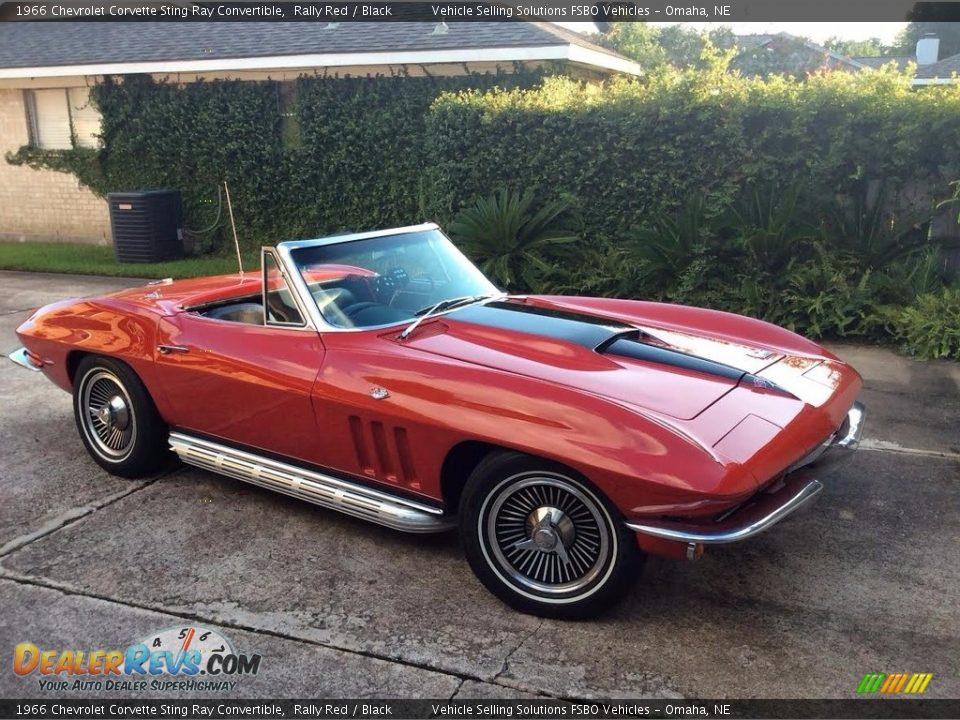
[[585, 330], [635, 349], [604, 336]]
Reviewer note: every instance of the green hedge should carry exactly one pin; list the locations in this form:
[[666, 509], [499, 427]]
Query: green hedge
[[328, 153], [636, 147], [363, 159]]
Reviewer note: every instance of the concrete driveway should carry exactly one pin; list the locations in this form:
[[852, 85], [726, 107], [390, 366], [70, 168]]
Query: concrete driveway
[[864, 580]]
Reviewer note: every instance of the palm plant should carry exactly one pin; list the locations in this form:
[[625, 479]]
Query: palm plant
[[669, 243], [510, 241], [773, 228], [875, 231]]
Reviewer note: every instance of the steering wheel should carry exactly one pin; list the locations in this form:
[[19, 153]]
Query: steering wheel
[[351, 310]]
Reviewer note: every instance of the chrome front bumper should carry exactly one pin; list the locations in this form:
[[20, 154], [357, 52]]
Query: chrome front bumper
[[765, 510], [20, 358], [840, 445]]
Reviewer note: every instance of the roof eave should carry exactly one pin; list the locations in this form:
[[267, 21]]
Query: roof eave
[[936, 81], [589, 56], [572, 53]]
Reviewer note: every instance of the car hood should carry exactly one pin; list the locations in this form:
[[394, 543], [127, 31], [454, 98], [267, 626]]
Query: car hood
[[670, 371]]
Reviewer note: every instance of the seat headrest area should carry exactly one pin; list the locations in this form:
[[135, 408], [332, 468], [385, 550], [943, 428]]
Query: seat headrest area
[[246, 312]]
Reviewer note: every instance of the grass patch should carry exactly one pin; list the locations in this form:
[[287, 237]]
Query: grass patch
[[99, 260]]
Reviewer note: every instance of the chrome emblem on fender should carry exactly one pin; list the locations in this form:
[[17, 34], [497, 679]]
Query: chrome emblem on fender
[[379, 393]]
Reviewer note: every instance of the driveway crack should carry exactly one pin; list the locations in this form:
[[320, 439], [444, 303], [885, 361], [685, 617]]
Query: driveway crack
[[74, 515], [506, 660], [457, 689], [195, 617]]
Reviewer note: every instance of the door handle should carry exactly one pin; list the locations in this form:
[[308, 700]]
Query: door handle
[[167, 349]]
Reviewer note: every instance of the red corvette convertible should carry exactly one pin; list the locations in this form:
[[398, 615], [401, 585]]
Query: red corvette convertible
[[382, 375]]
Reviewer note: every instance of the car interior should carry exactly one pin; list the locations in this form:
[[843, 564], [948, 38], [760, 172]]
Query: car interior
[[352, 301]]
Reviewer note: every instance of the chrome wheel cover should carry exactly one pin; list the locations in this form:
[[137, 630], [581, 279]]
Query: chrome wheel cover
[[106, 415], [547, 536]]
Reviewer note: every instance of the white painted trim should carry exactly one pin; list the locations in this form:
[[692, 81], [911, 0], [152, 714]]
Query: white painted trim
[[935, 81], [573, 53], [589, 56]]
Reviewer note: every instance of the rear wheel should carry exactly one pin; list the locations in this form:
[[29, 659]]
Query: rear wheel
[[117, 420], [543, 539]]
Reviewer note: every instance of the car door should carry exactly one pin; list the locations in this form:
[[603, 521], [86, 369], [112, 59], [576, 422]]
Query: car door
[[242, 382]]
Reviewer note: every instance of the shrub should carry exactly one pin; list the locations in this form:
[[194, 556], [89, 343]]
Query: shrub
[[510, 240], [930, 327], [630, 149]]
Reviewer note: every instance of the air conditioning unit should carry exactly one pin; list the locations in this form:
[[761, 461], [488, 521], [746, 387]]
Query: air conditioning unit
[[147, 225]]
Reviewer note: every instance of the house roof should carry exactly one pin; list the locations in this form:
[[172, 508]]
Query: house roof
[[940, 69], [752, 40], [748, 43], [32, 49], [812, 46], [878, 61]]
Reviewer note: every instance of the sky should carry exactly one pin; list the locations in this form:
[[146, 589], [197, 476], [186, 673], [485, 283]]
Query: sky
[[818, 32]]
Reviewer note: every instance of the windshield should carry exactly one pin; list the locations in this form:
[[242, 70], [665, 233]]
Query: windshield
[[389, 279]]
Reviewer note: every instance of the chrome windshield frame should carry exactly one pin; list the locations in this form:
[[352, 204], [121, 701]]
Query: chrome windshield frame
[[308, 321], [284, 253]]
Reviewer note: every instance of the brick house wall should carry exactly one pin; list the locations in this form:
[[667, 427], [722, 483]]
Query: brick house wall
[[42, 204]]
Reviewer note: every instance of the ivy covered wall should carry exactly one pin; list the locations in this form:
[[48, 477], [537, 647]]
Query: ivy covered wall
[[303, 158]]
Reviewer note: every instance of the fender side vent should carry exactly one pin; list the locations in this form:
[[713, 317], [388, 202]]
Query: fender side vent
[[407, 468], [360, 446], [384, 453], [384, 459]]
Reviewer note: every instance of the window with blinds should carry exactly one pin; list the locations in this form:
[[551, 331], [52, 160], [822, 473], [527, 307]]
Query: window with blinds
[[52, 113]]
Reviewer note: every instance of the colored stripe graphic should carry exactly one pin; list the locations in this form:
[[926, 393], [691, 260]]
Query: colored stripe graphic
[[889, 683], [900, 684], [895, 683], [871, 682]]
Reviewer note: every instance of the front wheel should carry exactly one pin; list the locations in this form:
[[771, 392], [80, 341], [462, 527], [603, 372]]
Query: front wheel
[[117, 420], [543, 539]]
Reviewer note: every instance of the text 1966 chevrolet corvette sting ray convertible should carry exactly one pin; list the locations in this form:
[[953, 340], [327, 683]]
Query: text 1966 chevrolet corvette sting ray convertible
[[382, 375]]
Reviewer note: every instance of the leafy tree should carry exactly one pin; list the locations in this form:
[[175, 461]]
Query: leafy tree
[[637, 41], [673, 45], [857, 48], [682, 47], [948, 32], [692, 49]]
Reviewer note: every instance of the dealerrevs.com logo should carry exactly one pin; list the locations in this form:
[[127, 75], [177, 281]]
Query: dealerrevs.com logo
[[177, 659]]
